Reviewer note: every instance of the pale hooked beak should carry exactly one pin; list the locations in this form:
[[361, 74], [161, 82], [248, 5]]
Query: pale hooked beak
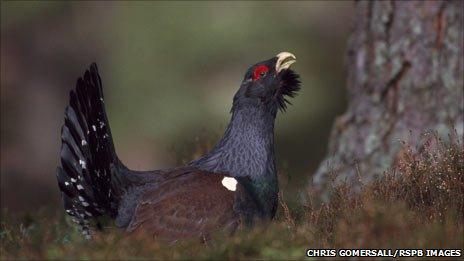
[[284, 60]]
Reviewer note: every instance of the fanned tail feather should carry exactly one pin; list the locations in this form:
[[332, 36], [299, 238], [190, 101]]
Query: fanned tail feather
[[87, 177]]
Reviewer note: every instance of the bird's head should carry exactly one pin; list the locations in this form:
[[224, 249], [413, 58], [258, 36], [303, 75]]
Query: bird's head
[[269, 83]]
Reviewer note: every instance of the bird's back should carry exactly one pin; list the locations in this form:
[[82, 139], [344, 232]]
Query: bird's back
[[192, 204]]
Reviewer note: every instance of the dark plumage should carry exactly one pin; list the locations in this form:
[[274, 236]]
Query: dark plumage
[[290, 86], [233, 185]]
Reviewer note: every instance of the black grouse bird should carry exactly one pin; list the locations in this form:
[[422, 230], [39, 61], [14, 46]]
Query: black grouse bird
[[233, 185]]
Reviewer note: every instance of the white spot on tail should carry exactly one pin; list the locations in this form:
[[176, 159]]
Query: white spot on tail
[[83, 164], [229, 183], [79, 187], [84, 142], [73, 180], [94, 128], [66, 183]]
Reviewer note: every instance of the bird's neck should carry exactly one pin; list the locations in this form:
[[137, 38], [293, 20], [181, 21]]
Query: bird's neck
[[247, 150]]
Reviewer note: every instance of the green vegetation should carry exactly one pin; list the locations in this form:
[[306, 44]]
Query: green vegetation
[[420, 208]]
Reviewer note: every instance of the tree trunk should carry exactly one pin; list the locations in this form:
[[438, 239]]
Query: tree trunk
[[405, 77]]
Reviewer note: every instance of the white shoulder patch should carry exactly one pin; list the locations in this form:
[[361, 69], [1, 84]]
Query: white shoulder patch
[[229, 183]]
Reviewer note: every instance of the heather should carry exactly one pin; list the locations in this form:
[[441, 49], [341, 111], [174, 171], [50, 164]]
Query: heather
[[418, 203]]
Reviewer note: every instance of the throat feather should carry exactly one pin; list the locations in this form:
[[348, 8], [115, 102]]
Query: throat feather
[[247, 147]]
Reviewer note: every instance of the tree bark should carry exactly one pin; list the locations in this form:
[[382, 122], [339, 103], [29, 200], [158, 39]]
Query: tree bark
[[405, 77]]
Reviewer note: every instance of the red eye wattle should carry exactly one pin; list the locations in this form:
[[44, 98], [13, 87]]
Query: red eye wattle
[[260, 71]]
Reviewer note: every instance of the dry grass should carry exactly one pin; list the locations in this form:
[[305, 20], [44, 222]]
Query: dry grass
[[418, 204]]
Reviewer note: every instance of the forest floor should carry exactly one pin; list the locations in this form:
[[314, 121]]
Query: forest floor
[[420, 208]]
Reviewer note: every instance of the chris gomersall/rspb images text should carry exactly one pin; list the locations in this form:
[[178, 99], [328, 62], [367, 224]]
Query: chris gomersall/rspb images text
[[384, 253]]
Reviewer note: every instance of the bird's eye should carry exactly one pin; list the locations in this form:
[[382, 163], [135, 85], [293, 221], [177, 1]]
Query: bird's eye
[[260, 72]]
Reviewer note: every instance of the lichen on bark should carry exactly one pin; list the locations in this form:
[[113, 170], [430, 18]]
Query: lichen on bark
[[405, 77]]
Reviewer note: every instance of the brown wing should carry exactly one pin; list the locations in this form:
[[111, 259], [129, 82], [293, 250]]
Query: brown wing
[[189, 205]]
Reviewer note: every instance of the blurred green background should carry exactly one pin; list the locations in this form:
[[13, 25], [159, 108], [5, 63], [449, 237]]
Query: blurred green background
[[169, 71]]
